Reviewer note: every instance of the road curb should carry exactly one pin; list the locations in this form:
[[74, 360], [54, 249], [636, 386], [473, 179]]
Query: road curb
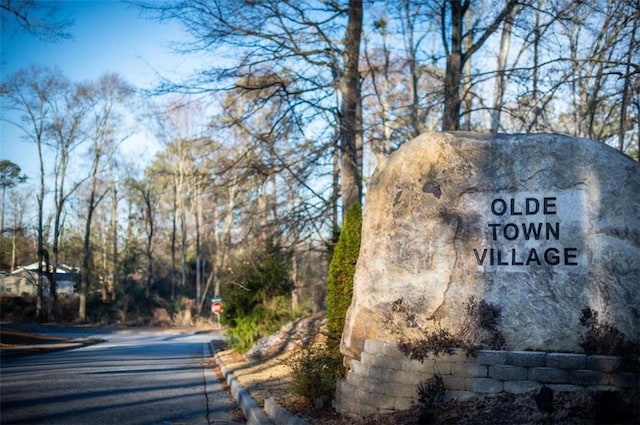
[[275, 414], [280, 415], [253, 413]]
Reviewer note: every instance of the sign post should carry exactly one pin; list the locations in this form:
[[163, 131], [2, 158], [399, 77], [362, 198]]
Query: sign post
[[216, 308]]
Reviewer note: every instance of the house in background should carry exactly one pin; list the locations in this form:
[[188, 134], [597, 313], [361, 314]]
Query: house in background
[[24, 280]]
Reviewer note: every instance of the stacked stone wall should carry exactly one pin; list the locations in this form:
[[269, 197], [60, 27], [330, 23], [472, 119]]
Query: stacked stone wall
[[385, 380]]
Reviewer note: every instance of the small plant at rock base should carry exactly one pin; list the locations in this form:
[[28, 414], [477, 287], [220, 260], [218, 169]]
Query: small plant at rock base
[[315, 369], [431, 391], [479, 330], [437, 342], [604, 338], [480, 326]]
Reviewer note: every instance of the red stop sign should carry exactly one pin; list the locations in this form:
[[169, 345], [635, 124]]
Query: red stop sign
[[216, 307]]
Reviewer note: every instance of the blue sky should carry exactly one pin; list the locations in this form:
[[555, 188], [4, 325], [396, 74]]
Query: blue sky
[[108, 36]]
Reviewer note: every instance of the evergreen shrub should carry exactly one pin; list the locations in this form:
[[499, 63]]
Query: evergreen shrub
[[341, 271]]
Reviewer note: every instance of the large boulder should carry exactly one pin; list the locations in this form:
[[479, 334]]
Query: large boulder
[[541, 225]]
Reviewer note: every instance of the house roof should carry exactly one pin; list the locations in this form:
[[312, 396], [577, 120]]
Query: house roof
[[61, 269]]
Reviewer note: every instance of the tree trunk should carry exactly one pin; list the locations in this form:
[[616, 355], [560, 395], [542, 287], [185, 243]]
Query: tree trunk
[[114, 234], [40, 284], [86, 261], [498, 93], [467, 83], [350, 130], [85, 271], [535, 95], [336, 190], [622, 129], [453, 72], [417, 126], [457, 56], [199, 264], [174, 239]]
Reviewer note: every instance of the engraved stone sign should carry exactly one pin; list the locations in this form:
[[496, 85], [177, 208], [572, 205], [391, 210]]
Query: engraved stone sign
[[529, 230], [540, 225]]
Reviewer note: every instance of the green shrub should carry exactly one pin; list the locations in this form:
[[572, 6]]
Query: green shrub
[[341, 271], [256, 296], [315, 369], [243, 335], [17, 309]]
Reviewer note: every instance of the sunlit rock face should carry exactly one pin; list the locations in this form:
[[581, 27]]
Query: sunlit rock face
[[540, 225]]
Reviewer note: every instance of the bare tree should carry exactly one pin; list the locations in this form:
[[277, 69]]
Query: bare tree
[[9, 177], [312, 46], [70, 108], [32, 93], [145, 198], [20, 241], [38, 18], [460, 44], [105, 96], [503, 53]]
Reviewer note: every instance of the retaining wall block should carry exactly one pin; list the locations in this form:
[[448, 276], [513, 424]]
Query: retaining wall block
[[404, 403], [603, 388], [565, 388], [400, 376], [442, 368], [491, 357], [459, 395], [459, 356], [566, 360], [526, 358], [386, 362], [382, 347], [415, 366], [625, 380], [380, 401], [357, 381], [455, 383], [508, 373], [484, 385], [586, 377], [606, 364], [361, 395], [396, 390], [341, 387], [357, 408], [521, 387], [548, 375], [469, 370], [383, 375], [359, 369]]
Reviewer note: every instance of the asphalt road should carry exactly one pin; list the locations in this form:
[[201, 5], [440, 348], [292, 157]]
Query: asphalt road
[[135, 377]]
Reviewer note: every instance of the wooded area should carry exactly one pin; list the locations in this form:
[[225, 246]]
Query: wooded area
[[276, 140]]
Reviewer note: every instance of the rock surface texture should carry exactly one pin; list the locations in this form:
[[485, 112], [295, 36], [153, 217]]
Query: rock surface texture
[[541, 225]]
